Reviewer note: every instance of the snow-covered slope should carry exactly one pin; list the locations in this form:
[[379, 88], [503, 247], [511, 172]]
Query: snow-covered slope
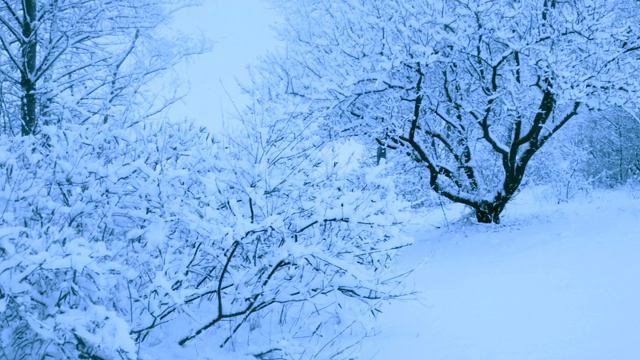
[[552, 282]]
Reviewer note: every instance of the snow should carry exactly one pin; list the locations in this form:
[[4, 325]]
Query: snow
[[553, 282]]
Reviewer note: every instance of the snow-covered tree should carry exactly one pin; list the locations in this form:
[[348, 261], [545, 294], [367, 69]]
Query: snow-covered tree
[[89, 58], [598, 150], [469, 89], [612, 142]]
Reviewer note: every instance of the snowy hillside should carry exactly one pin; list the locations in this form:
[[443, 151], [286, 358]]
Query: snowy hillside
[[553, 282]]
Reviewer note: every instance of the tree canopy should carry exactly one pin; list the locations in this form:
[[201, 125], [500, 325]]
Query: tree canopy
[[470, 89]]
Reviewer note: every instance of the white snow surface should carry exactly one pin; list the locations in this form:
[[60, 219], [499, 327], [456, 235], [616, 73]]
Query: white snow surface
[[553, 281]]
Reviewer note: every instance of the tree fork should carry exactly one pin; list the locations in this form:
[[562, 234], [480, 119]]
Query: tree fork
[[488, 212]]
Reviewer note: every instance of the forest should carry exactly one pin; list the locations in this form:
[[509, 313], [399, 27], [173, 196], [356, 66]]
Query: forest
[[128, 234]]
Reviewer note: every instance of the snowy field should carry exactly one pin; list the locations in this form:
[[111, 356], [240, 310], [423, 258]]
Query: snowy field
[[552, 282]]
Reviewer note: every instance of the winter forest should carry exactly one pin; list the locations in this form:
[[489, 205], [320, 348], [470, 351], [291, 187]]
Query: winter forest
[[412, 179]]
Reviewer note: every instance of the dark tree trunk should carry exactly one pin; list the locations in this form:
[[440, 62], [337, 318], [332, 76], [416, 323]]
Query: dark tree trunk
[[28, 70], [489, 212], [485, 217]]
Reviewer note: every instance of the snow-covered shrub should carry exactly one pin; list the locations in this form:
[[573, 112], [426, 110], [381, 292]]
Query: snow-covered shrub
[[109, 235], [81, 249], [303, 247], [68, 201]]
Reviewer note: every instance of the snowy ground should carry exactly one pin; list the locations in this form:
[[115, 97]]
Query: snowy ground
[[552, 282]]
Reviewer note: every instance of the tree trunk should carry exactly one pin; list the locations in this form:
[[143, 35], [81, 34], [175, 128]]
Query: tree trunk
[[488, 212], [27, 72], [487, 216]]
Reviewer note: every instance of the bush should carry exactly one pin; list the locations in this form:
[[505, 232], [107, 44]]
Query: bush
[[109, 235]]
